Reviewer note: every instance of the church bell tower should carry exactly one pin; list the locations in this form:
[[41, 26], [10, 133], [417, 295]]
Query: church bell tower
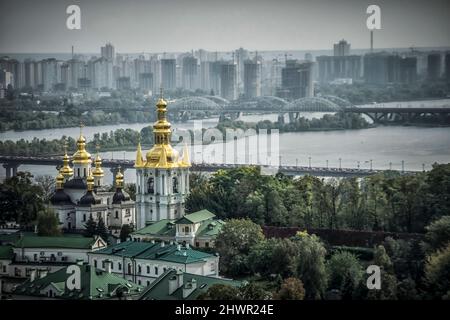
[[162, 178]]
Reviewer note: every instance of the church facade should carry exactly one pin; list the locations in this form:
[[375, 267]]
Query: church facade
[[81, 193]]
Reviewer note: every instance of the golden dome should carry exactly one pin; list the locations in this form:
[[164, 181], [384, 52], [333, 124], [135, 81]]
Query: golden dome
[[119, 179], [81, 156], [90, 182], [98, 171], [59, 181], [162, 148], [66, 170]]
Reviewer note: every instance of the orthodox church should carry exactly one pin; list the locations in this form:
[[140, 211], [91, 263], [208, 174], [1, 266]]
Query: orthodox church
[[81, 193], [162, 178]]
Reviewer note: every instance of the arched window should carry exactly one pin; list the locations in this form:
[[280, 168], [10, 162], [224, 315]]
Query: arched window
[[151, 185], [85, 172], [156, 270], [175, 184], [78, 172], [186, 229], [139, 269], [148, 269], [129, 268]]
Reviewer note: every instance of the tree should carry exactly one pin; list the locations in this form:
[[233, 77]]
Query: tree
[[130, 188], [47, 184], [291, 289], [90, 227], [254, 291], [345, 273], [48, 223], [438, 234], [389, 284], [274, 256], [311, 265], [125, 232], [437, 273], [101, 230], [220, 292], [233, 244], [20, 199]]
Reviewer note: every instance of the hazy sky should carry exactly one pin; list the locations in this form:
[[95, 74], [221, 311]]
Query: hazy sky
[[39, 26]]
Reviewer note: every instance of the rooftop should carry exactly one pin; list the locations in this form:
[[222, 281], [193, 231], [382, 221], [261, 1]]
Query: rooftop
[[159, 289], [196, 217], [69, 242], [95, 285], [155, 251], [6, 253]]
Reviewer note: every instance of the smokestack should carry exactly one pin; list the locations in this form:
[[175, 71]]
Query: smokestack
[[72, 52]]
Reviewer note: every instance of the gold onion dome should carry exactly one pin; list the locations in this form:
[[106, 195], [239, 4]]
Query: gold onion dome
[[81, 156], [66, 170], [162, 148], [119, 179], [59, 181], [90, 182], [98, 171]]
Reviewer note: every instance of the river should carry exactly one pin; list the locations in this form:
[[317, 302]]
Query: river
[[386, 146]]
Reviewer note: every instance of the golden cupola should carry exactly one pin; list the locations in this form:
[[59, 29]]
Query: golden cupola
[[162, 148], [139, 163], [98, 170], [59, 181], [66, 171], [119, 179], [90, 182], [81, 156]]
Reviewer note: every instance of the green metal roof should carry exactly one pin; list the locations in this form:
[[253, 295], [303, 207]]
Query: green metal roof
[[196, 217], [163, 227], [6, 252], [69, 242], [95, 285], [154, 251], [159, 289], [210, 226]]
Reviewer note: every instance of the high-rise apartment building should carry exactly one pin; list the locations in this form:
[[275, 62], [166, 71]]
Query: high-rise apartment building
[[228, 81], [190, 76], [296, 80], [252, 79], [168, 74]]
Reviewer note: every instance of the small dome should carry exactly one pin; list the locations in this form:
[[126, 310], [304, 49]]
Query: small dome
[[120, 196], [81, 156], [60, 198], [89, 199], [75, 183], [161, 103]]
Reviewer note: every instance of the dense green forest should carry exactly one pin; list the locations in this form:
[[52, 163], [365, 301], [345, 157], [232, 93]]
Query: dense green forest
[[383, 202]]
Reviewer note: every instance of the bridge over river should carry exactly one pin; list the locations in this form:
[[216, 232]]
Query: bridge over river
[[12, 163]]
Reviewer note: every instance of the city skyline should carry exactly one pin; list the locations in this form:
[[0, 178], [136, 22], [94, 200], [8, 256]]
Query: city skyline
[[153, 26]]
